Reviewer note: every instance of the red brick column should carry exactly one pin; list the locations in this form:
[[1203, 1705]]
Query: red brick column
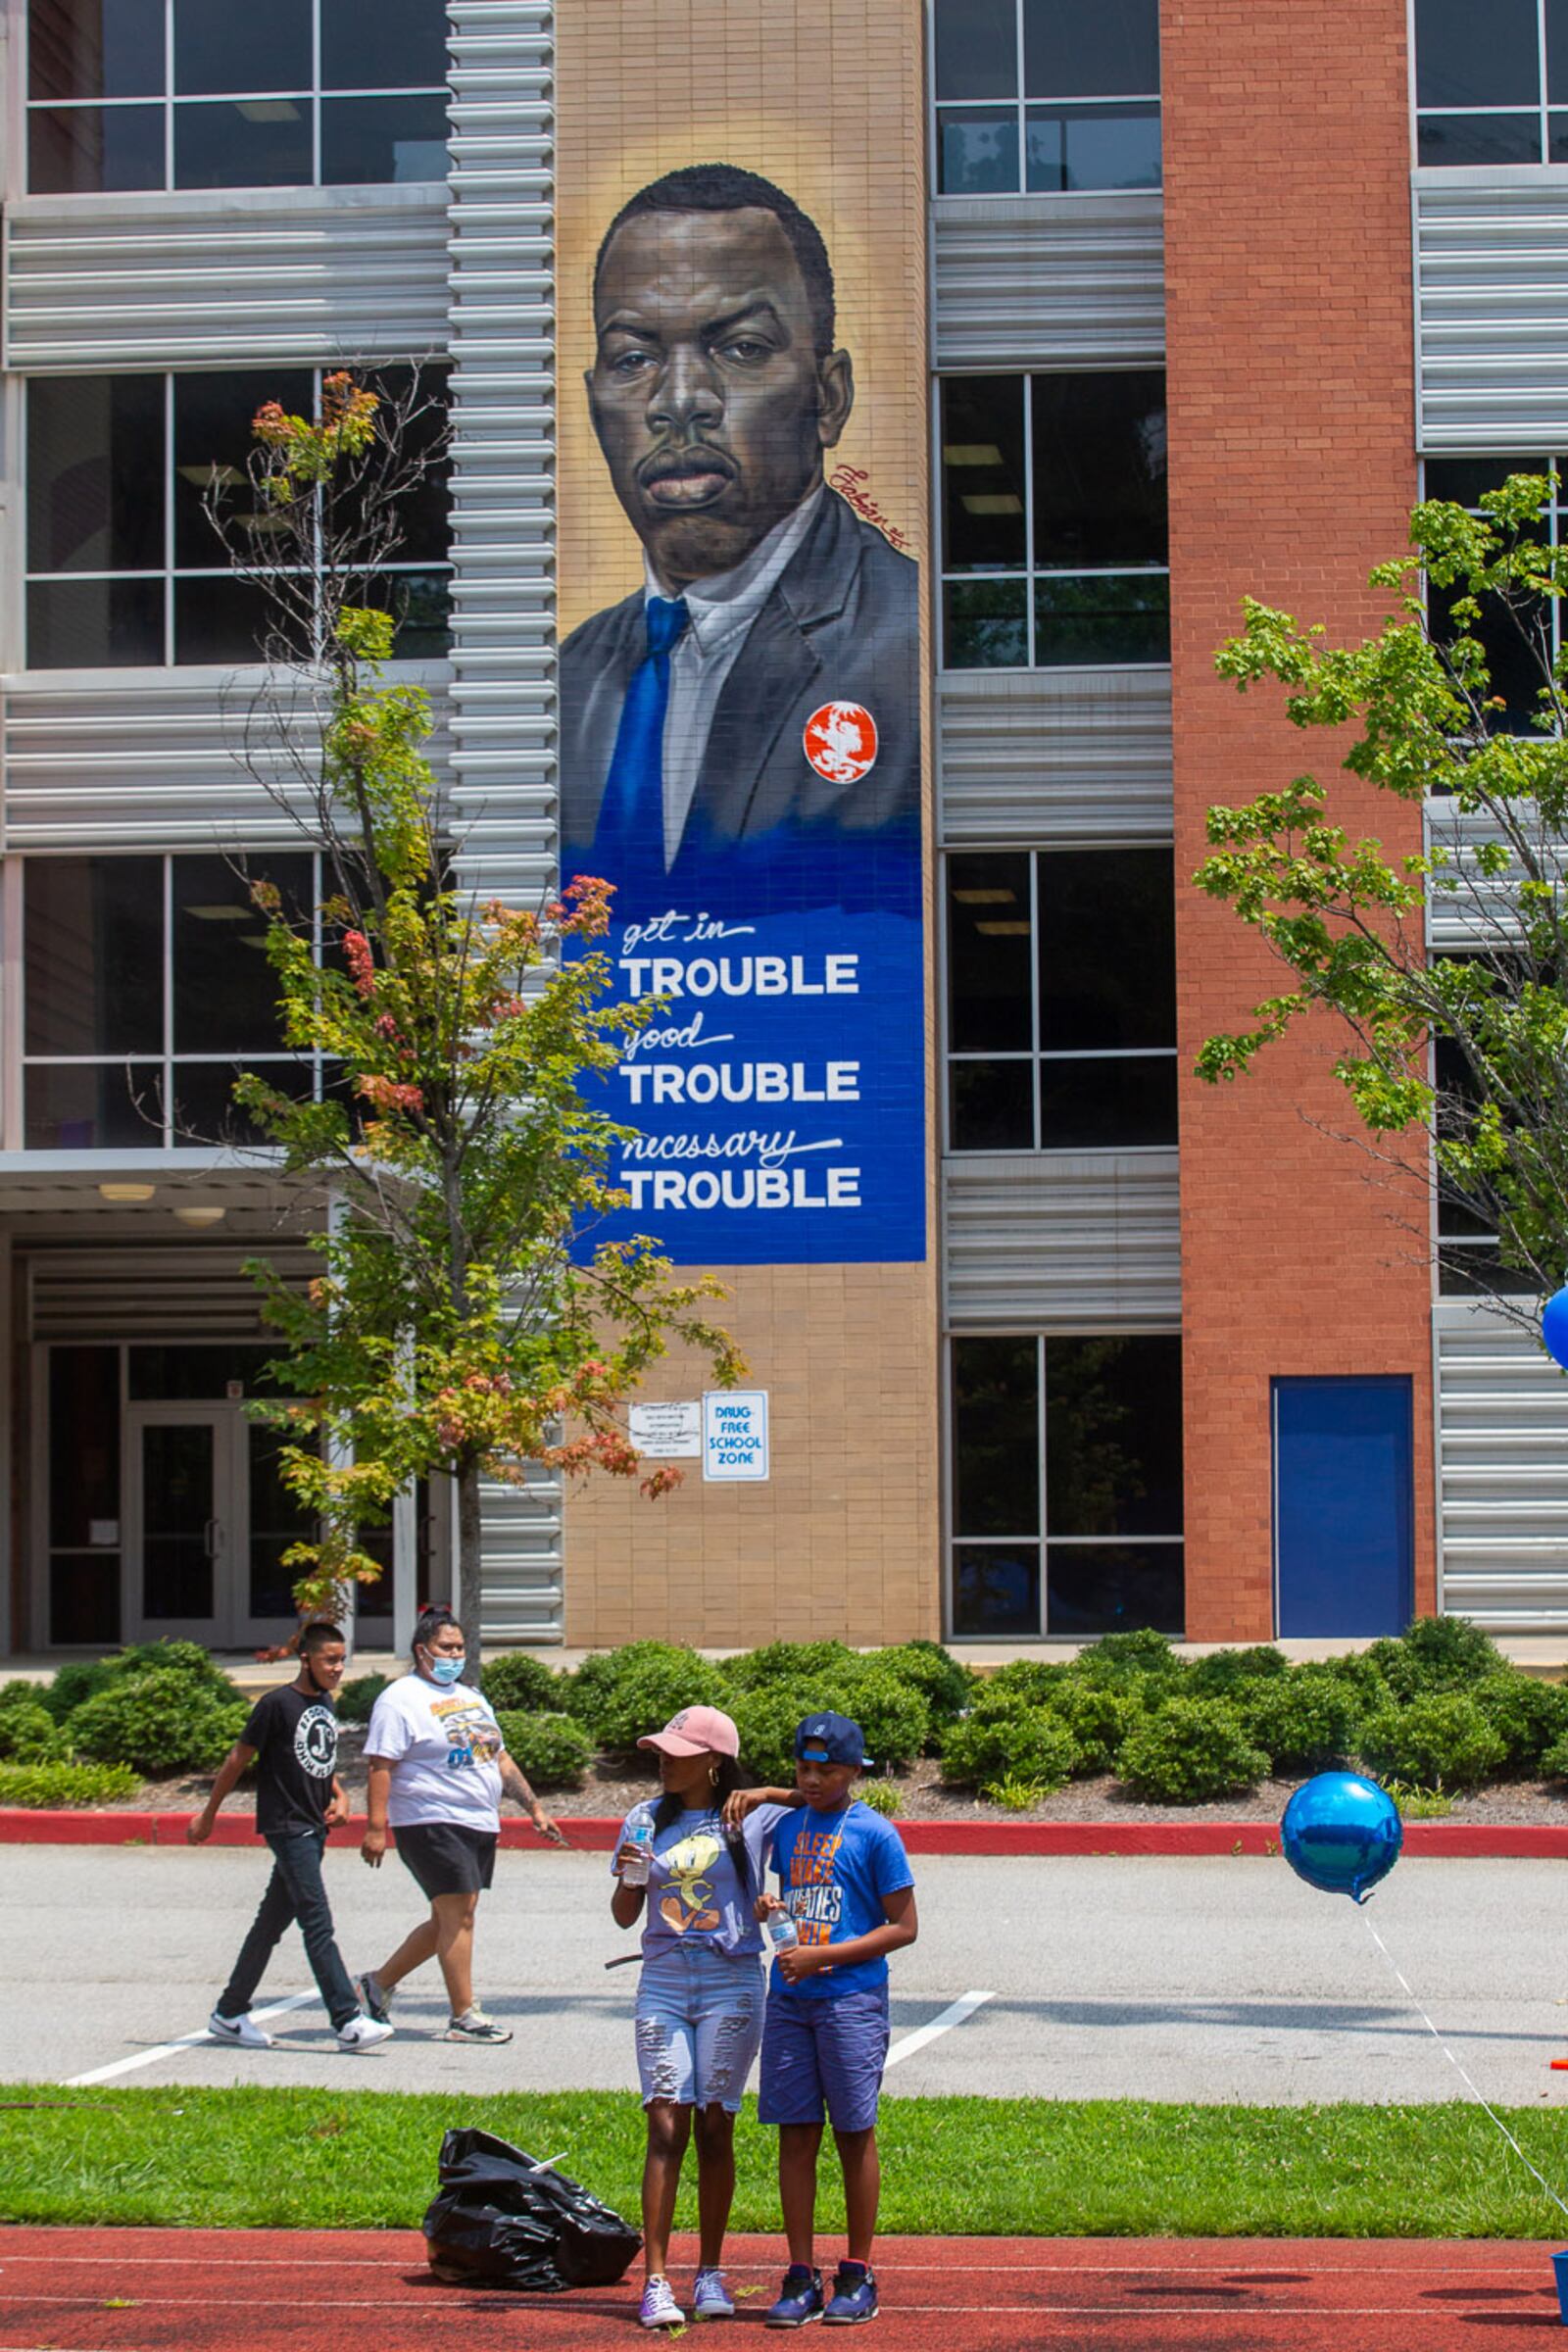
[[1291, 472]]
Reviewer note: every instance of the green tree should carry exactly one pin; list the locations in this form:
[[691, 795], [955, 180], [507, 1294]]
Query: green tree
[[1431, 725], [455, 1325]]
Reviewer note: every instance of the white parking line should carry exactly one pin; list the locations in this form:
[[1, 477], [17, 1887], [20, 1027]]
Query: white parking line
[[953, 2015], [186, 2041]]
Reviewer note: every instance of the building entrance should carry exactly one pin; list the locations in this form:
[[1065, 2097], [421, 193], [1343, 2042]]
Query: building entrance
[[207, 1522]]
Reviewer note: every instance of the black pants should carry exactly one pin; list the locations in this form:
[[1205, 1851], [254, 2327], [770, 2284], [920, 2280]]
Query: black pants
[[294, 1891]]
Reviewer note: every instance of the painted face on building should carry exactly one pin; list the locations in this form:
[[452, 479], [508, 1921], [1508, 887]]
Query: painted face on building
[[712, 404]]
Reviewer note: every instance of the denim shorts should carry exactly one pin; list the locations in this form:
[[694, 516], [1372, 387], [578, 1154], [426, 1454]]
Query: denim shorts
[[699, 2022], [821, 2054]]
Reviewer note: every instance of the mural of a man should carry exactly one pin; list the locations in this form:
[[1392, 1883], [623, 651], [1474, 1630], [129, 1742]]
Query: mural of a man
[[765, 680]]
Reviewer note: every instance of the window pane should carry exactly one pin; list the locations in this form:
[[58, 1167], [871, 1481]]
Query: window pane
[[82, 1106], [95, 48], [1126, 1105], [1070, 51], [1478, 139], [1108, 955], [1114, 1588], [1516, 646], [221, 46], [213, 436], [95, 624], [183, 1370], [976, 49], [996, 1438], [258, 143], [1558, 50], [83, 1441], [1092, 147], [988, 958], [983, 473], [1113, 1437], [85, 1598], [205, 1111], [977, 151], [376, 139], [221, 619], [986, 625], [996, 1589], [992, 1106], [418, 413], [279, 1521], [1558, 139], [1099, 468], [95, 465], [94, 932], [225, 993], [81, 150], [421, 602], [1462, 480], [1466, 58], [382, 44], [1100, 617]]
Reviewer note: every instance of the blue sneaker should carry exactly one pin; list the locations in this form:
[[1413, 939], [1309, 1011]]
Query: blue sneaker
[[800, 2299], [853, 2296]]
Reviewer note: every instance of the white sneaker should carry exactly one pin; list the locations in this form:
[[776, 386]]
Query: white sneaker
[[658, 2308], [363, 2033], [243, 2031]]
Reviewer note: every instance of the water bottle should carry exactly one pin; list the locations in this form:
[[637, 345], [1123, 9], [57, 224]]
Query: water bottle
[[783, 1931], [635, 1872]]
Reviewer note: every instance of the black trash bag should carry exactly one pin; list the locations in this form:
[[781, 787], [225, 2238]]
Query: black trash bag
[[498, 2220]]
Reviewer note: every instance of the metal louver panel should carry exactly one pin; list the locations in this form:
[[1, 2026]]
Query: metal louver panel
[[181, 281], [1039, 756], [1483, 911], [520, 1594], [1492, 309], [1502, 1462], [175, 1291], [1040, 281], [1062, 1243]]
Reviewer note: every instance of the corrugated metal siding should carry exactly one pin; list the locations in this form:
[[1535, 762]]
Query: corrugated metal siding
[[1070, 1243], [174, 1290], [1492, 308], [1040, 757], [1042, 281], [264, 275], [1502, 1457], [501, 248]]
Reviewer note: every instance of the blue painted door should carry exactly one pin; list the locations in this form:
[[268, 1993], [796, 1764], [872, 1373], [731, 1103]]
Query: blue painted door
[[1342, 1534]]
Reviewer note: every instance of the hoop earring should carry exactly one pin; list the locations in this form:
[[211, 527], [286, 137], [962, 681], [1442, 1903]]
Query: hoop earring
[[713, 1775]]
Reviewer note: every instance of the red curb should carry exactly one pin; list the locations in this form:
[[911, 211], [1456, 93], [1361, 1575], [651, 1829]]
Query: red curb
[[596, 1834]]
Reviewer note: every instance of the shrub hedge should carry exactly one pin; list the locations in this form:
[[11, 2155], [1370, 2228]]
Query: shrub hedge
[[165, 1720], [52, 1785], [553, 1750], [1191, 1750], [357, 1697]]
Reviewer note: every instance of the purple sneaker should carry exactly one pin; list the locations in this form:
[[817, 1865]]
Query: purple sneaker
[[853, 2296], [800, 2299], [658, 2308]]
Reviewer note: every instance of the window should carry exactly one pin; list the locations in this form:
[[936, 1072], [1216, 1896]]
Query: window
[[1061, 1000], [147, 992], [1516, 673], [1066, 1486], [202, 94], [1491, 87], [123, 568], [1046, 95], [1054, 543]]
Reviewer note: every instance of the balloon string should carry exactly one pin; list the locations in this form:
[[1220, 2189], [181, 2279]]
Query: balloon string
[[1456, 2066]]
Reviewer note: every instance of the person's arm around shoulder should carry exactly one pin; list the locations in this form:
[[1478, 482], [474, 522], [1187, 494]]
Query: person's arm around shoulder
[[742, 1802], [238, 1759]]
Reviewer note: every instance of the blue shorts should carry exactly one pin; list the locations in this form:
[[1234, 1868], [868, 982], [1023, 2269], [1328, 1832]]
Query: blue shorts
[[699, 2021], [821, 2054]]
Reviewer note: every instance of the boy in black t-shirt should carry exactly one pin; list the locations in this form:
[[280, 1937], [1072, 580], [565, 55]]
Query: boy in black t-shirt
[[292, 1734]]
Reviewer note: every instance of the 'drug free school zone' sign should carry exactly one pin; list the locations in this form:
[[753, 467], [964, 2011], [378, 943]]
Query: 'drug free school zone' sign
[[735, 1434]]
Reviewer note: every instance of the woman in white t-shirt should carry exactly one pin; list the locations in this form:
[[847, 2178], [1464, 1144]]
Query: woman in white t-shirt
[[437, 1766]]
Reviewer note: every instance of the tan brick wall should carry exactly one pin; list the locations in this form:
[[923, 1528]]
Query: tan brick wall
[[826, 98], [1291, 469]]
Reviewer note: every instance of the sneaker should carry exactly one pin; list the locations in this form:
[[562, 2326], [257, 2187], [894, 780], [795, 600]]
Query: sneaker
[[800, 2299], [477, 2027], [362, 2033], [853, 2296], [372, 2000], [243, 2031], [659, 2307], [710, 2298]]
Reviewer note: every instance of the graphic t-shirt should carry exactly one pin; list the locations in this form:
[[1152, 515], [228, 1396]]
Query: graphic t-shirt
[[833, 1871], [442, 1743], [695, 1892], [294, 1733]]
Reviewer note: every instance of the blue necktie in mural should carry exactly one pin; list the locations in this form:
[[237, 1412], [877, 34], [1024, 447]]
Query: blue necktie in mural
[[631, 815]]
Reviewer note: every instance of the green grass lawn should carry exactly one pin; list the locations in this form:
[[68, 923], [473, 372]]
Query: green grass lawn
[[315, 2159]]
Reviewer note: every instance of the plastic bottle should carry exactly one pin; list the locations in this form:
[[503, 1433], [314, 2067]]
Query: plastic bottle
[[635, 1871], [783, 1931]]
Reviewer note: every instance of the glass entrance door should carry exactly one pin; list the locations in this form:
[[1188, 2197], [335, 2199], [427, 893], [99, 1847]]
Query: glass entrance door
[[182, 1521]]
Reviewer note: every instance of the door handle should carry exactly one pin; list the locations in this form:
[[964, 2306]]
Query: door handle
[[210, 1538]]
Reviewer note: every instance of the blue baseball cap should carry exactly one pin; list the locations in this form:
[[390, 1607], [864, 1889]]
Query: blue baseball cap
[[830, 1739]]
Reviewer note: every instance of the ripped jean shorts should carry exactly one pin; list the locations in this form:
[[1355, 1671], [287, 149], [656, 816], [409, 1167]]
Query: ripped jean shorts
[[699, 2024]]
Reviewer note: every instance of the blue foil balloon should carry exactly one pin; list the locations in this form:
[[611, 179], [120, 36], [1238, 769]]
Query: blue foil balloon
[[1554, 1327], [1341, 1834]]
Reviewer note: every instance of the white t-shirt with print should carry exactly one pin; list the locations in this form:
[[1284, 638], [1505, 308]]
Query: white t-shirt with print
[[442, 1743]]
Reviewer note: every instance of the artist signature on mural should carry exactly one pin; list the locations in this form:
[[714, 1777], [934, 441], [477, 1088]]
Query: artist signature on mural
[[850, 482]]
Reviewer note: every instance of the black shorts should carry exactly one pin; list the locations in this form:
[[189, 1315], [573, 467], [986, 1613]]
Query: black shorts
[[446, 1858]]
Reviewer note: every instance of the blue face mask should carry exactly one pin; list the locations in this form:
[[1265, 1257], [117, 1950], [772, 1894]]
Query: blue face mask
[[446, 1670]]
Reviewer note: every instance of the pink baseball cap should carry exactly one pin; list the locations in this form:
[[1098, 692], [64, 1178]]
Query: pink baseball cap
[[696, 1731]]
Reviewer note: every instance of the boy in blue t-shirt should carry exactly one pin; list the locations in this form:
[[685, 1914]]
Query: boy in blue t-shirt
[[849, 1889]]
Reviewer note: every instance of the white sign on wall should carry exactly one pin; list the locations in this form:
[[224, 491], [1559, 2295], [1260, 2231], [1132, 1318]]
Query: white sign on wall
[[668, 1431], [735, 1433]]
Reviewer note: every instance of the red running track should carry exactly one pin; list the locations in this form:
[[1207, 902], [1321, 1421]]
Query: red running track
[[260, 2291]]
